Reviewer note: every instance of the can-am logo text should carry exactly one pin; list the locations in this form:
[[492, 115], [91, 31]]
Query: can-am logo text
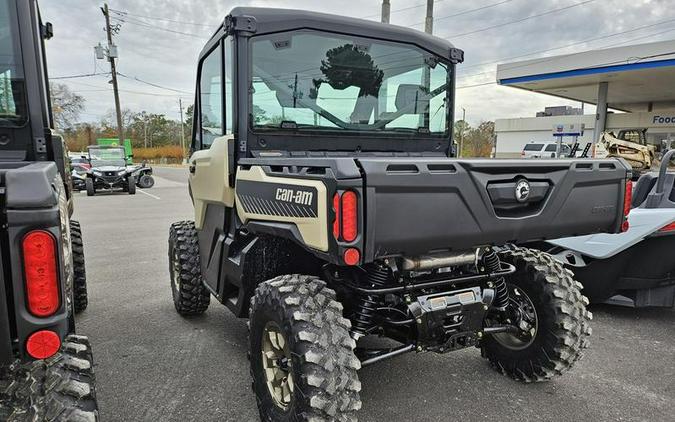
[[296, 196]]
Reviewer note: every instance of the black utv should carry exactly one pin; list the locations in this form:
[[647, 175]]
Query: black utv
[[329, 208], [109, 171], [46, 371]]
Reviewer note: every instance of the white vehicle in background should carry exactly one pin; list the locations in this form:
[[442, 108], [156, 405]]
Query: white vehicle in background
[[545, 149]]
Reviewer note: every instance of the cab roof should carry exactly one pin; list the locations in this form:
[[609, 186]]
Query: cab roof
[[259, 20]]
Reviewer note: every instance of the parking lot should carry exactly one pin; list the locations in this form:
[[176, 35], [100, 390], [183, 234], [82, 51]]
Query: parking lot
[[154, 365]]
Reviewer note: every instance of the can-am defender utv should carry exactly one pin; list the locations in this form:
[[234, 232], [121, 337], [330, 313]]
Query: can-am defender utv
[[45, 368], [328, 208], [637, 267]]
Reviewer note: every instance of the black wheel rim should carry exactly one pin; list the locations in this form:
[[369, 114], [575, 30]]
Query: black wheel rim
[[521, 313]]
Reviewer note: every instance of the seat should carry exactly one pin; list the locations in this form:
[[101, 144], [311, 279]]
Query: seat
[[644, 185]]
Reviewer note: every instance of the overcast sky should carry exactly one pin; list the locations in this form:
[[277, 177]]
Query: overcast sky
[[159, 41]]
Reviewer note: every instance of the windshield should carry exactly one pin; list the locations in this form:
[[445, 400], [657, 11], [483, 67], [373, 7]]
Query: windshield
[[12, 104], [101, 157], [306, 80]]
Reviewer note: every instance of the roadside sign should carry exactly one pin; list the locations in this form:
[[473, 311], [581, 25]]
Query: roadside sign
[[572, 129]]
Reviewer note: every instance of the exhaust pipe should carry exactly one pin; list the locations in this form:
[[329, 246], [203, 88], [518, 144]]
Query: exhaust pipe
[[440, 260]]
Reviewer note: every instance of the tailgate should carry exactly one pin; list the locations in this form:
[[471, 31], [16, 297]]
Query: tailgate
[[416, 205]]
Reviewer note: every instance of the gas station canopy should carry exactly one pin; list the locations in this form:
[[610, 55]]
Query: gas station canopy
[[633, 78]]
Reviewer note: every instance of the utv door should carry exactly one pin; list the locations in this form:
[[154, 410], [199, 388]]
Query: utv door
[[212, 144]]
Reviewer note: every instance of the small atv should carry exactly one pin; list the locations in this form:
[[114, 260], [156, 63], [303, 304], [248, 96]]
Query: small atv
[[637, 267], [109, 171]]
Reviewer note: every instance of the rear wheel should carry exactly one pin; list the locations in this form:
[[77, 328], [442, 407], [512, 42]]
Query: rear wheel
[[89, 185], [146, 181], [190, 297], [80, 299], [302, 357], [131, 183], [546, 304], [61, 388]]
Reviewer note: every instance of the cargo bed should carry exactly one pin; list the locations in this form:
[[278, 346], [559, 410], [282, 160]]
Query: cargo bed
[[416, 205]]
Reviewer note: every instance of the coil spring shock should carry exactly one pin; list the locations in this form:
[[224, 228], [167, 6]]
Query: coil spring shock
[[362, 319], [492, 264]]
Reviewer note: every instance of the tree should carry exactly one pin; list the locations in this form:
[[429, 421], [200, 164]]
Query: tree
[[478, 142], [66, 105], [348, 65]]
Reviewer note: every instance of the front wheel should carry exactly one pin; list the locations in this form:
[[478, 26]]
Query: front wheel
[[302, 357], [546, 305], [190, 297], [89, 185], [131, 185]]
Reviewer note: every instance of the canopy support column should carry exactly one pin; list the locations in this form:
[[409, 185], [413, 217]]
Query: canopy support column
[[601, 112]]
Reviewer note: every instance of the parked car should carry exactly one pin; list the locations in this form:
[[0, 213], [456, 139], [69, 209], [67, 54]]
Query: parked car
[[545, 149], [80, 161]]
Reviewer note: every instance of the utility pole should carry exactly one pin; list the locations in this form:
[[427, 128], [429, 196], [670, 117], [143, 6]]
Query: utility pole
[[182, 127], [429, 20], [386, 11], [381, 104], [461, 134], [426, 76], [112, 54]]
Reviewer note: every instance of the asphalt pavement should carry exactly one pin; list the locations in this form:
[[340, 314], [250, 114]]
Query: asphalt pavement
[[154, 365]]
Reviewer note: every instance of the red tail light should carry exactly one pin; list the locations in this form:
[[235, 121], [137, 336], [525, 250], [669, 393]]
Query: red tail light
[[627, 200], [43, 344], [336, 222], [40, 268], [349, 216], [352, 256], [669, 228]]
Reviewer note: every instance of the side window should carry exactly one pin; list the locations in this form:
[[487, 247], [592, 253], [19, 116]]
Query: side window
[[211, 98], [551, 147], [229, 97]]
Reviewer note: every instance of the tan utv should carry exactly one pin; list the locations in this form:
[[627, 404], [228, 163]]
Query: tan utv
[[329, 208], [629, 144]]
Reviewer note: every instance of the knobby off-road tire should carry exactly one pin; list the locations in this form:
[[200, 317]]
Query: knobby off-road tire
[[89, 185], [146, 181], [322, 361], [190, 297], [131, 182], [563, 321], [58, 389], [80, 299]]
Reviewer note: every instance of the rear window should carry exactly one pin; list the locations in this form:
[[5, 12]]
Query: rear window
[[534, 147]]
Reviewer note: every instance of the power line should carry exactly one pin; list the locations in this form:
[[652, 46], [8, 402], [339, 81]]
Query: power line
[[465, 12], [377, 15], [159, 28], [83, 75], [153, 84], [124, 13], [548, 59], [615, 34], [548, 12]]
